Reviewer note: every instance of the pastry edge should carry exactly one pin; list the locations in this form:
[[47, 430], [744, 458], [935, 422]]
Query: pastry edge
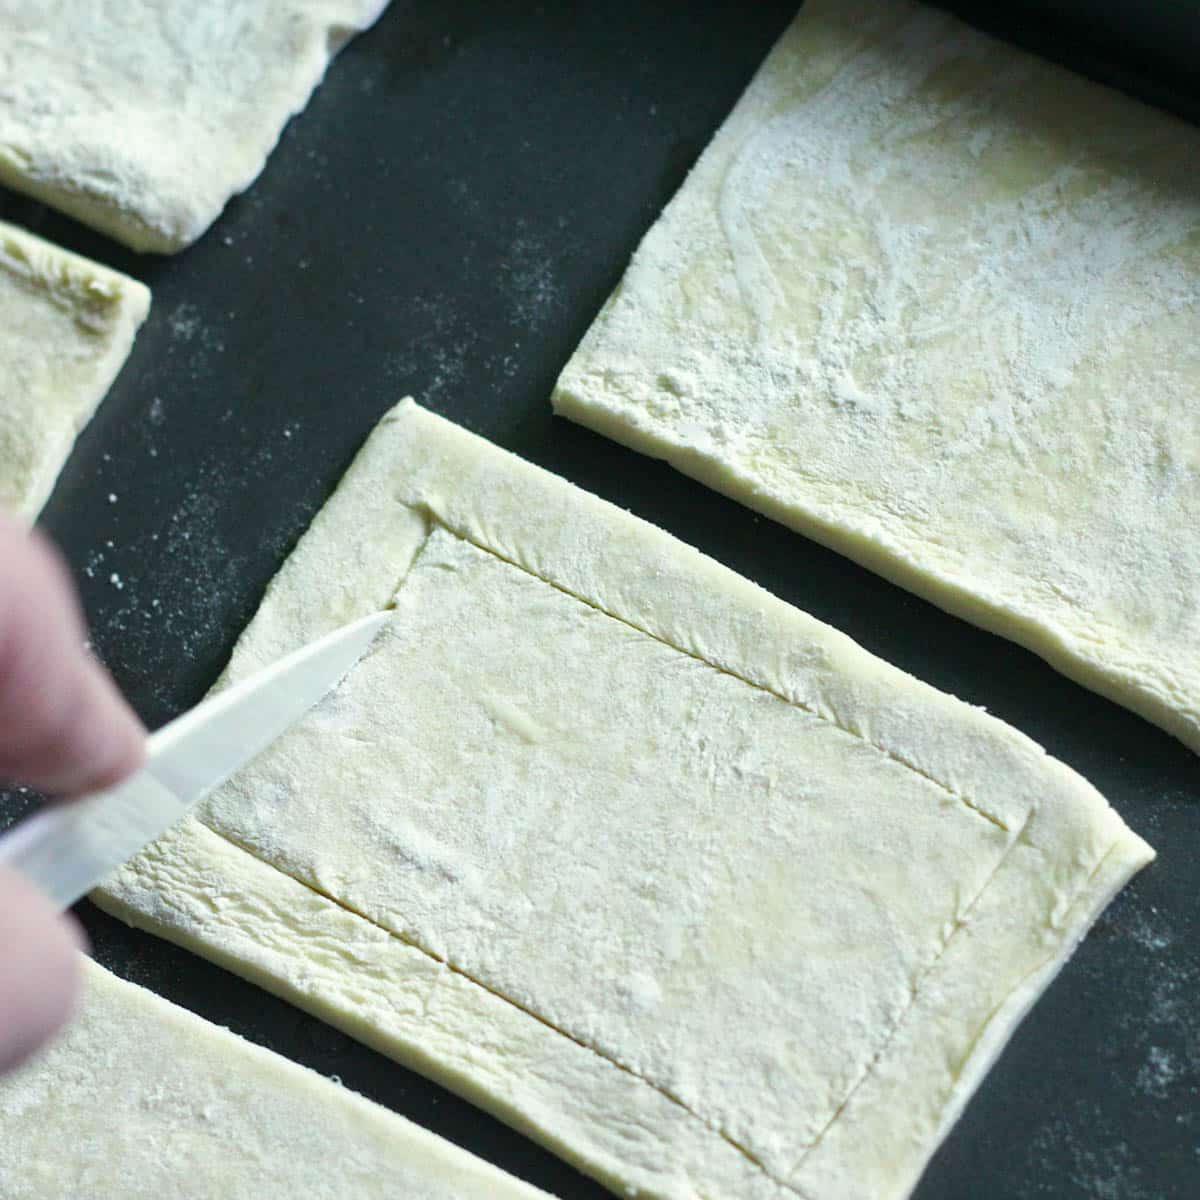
[[1122, 679], [162, 225], [196, 889], [417, 468], [1119, 676], [72, 277], [264, 1073]]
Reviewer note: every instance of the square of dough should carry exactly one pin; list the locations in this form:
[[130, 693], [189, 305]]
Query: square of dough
[[141, 1100], [67, 329], [142, 118], [656, 867], [936, 303]]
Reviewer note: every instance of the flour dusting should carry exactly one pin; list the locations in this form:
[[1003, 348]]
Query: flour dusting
[[1158, 1072], [434, 363], [178, 591], [529, 279]]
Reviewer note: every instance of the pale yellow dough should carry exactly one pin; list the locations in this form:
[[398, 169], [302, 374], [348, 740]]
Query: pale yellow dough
[[142, 117], [66, 329], [141, 1100], [661, 870], [936, 303]]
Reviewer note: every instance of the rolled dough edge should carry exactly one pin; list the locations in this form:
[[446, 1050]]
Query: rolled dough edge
[[74, 1084], [159, 223], [106, 217], [1118, 676], [197, 889], [416, 469], [80, 283]]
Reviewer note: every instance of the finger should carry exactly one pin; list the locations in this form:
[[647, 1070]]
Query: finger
[[64, 727], [39, 969]]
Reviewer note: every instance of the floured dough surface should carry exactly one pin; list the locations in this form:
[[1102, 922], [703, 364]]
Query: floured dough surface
[[663, 871], [68, 325], [141, 1099], [143, 117], [936, 303]]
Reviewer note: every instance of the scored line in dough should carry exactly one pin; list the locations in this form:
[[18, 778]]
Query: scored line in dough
[[374, 962], [877, 1058], [491, 991], [666, 1094], [438, 522]]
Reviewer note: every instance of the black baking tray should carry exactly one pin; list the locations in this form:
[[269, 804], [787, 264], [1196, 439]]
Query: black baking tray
[[445, 219]]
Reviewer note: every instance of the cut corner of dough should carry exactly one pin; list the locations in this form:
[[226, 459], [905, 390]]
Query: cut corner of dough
[[191, 108], [69, 327], [140, 1099], [666, 873]]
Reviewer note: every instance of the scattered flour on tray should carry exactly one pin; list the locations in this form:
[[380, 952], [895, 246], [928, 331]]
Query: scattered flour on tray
[[528, 280], [178, 591], [15, 802], [1101, 1166], [1160, 1070], [433, 364]]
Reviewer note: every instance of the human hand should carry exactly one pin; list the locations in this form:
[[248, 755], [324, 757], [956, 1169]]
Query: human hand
[[65, 730]]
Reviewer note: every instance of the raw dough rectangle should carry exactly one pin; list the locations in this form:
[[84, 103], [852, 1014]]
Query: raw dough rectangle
[[936, 303], [141, 1100], [659, 869], [67, 329], [142, 118]]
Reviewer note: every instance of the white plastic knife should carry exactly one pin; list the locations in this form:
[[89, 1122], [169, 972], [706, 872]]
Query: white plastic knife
[[68, 848]]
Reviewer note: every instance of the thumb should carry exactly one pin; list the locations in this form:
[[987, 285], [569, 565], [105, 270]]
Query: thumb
[[64, 728]]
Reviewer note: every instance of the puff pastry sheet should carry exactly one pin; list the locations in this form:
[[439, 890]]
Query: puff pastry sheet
[[139, 1100], [143, 117], [936, 303], [68, 325], [662, 871]]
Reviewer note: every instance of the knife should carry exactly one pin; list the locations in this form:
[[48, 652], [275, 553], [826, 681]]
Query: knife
[[67, 848]]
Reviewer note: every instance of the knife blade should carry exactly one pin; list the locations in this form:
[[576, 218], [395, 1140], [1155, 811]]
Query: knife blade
[[67, 848]]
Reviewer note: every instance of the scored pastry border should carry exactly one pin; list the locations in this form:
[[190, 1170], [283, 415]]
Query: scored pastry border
[[417, 471]]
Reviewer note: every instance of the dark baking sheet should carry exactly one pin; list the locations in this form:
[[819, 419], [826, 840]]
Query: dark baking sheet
[[445, 219]]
